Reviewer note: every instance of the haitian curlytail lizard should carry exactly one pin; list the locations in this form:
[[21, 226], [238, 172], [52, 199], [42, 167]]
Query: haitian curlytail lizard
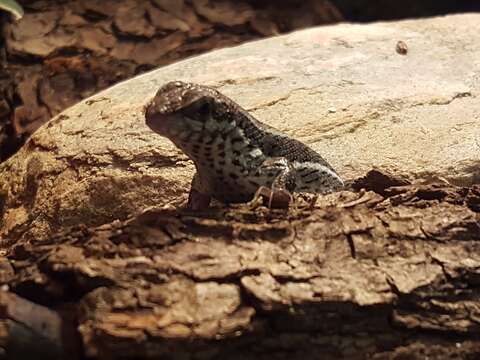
[[235, 155]]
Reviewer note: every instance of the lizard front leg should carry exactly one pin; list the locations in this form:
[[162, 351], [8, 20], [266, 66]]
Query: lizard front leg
[[279, 174], [197, 198]]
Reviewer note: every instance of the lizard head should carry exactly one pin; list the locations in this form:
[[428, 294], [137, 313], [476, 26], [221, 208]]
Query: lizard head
[[180, 107]]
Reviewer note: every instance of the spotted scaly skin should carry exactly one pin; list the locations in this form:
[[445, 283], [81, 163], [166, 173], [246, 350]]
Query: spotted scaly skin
[[234, 153]]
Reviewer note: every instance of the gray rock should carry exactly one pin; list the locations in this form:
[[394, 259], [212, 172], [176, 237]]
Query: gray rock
[[413, 114]]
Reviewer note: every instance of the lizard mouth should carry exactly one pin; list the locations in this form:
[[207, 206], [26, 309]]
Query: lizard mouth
[[159, 123]]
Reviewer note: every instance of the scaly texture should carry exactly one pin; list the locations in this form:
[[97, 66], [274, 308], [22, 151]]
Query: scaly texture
[[234, 153]]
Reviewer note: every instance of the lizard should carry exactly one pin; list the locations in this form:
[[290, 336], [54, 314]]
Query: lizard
[[236, 156]]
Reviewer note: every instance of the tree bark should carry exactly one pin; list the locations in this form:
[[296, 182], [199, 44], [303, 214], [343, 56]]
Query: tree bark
[[389, 270]]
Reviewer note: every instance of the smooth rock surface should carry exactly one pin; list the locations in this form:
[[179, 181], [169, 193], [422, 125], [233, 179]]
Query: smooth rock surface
[[342, 89]]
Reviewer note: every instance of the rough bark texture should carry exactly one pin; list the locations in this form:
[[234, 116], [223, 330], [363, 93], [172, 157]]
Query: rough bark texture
[[387, 274]]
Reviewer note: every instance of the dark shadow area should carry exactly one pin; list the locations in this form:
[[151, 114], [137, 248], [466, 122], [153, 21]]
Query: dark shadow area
[[367, 11]]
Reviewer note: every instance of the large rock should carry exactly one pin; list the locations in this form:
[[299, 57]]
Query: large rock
[[342, 89]]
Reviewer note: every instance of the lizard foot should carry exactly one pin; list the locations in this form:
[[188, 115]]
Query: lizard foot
[[277, 198]]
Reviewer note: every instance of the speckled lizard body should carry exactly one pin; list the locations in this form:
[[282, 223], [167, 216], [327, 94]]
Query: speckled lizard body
[[234, 153]]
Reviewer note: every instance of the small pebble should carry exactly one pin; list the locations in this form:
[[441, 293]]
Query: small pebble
[[401, 48]]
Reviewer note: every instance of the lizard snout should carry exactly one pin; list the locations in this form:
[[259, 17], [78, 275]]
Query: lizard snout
[[156, 121]]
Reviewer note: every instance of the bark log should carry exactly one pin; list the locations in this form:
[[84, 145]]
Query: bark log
[[386, 271]]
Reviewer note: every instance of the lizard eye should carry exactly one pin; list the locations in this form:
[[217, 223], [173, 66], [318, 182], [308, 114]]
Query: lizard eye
[[200, 110], [204, 109]]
